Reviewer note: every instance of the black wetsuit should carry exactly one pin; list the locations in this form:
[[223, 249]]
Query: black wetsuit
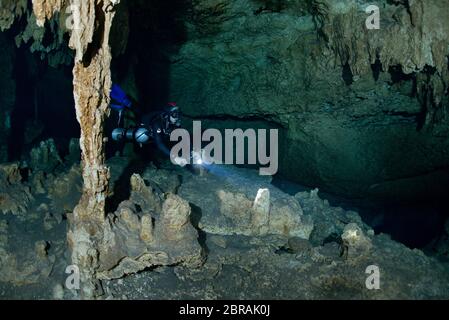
[[157, 124]]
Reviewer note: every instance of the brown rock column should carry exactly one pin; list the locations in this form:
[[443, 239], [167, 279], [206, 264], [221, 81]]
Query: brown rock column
[[92, 83], [111, 246]]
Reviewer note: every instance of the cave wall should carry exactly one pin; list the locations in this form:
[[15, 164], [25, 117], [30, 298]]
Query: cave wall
[[365, 111], [7, 93], [33, 53]]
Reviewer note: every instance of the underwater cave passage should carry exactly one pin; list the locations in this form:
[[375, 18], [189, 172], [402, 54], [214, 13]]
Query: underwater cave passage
[[44, 106], [355, 181]]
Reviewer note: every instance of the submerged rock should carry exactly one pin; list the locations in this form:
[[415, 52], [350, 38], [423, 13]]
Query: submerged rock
[[45, 157], [329, 221], [15, 196], [310, 67], [354, 241], [250, 242], [64, 190], [147, 230], [238, 201], [32, 266]]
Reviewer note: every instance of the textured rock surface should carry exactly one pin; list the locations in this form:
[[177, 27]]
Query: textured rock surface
[[92, 83], [355, 243], [45, 157], [34, 32], [252, 268], [243, 59], [153, 228], [35, 267], [329, 221], [278, 47], [45, 9], [55, 51], [139, 239], [233, 205], [14, 196], [11, 10], [65, 190], [366, 132]]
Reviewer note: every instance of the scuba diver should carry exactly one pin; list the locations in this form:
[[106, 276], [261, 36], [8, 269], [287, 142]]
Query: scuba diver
[[151, 127]]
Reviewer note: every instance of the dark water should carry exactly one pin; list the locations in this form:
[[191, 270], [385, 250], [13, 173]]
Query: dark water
[[416, 224]]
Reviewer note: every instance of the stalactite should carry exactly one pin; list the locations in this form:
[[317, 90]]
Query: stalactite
[[92, 83], [10, 10], [110, 246]]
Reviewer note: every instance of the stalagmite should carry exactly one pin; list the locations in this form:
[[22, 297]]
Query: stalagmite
[[92, 83], [110, 246], [354, 95]]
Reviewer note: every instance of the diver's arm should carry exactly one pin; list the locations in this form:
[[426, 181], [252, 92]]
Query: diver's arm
[[157, 132]]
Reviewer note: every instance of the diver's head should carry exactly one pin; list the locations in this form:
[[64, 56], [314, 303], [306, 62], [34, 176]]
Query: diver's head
[[173, 114]]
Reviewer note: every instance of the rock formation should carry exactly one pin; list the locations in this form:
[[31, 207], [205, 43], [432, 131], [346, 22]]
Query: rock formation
[[352, 101], [36, 266], [14, 196], [10, 10], [108, 246], [332, 264], [377, 127], [234, 205], [45, 157]]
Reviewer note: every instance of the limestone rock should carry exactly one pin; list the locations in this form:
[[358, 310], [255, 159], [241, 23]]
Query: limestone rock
[[41, 249], [11, 10], [287, 218], [38, 182], [146, 229], [54, 51], [235, 206], [355, 242], [175, 217], [243, 203], [45, 9], [58, 292], [297, 244], [10, 173], [50, 220], [92, 82], [256, 271], [33, 266], [15, 197], [329, 221], [64, 190], [74, 151], [127, 214], [91, 89], [342, 137], [143, 195], [261, 211], [163, 179], [45, 157], [137, 236]]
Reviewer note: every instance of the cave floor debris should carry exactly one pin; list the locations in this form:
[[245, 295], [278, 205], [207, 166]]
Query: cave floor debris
[[323, 254]]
